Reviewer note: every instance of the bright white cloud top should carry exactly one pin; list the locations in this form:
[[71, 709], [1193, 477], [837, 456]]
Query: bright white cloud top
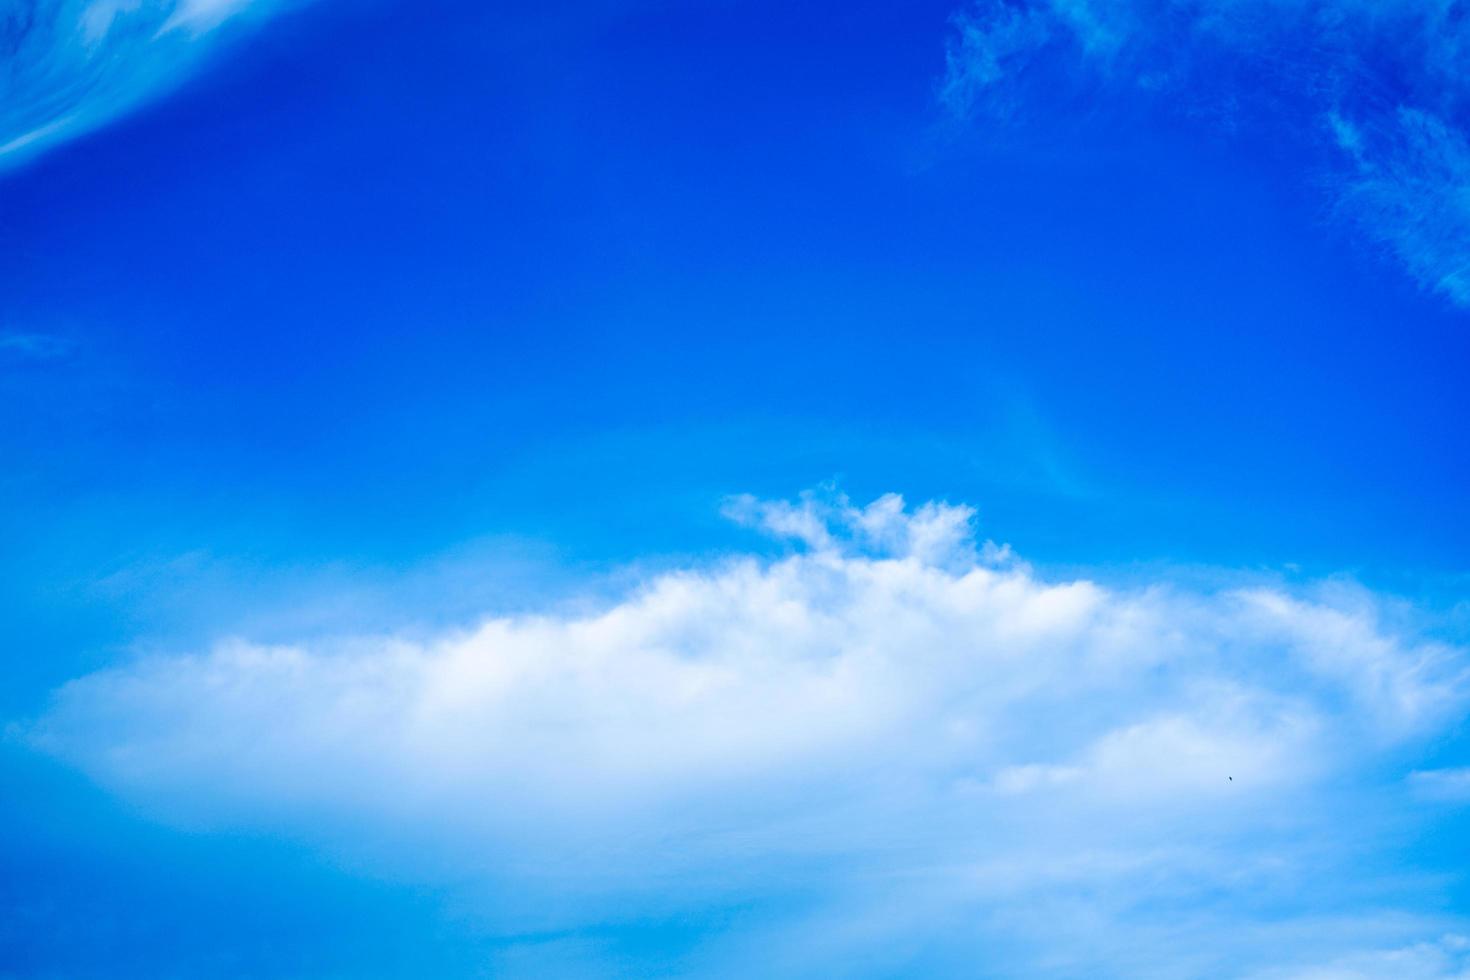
[[923, 733]]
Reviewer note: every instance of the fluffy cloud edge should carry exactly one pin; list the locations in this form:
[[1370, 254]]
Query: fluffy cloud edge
[[891, 698]]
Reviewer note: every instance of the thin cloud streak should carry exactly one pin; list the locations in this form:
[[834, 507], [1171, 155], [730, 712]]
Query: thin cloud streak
[[35, 347], [71, 66]]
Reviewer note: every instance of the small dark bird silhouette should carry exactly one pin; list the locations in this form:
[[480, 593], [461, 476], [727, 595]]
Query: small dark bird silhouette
[[1231, 778]]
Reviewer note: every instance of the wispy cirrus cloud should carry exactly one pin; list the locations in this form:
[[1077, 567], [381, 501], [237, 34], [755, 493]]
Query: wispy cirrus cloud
[[35, 347], [1379, 87], [70, 66], [942, 746], [1444, 958]]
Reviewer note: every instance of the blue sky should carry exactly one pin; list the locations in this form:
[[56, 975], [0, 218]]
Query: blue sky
[[447, 473]]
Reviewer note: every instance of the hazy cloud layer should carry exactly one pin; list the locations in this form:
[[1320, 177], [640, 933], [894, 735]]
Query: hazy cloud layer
[[69, 66], [918, 734], [1381, 85]]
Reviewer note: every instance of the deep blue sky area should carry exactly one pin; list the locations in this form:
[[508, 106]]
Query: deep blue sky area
[[470, 281], [381, 287]]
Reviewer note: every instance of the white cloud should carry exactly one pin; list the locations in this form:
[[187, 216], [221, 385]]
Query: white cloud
[[201, 15], [1382, 83], [1409, 188], [887, 710], [70, 66], [936, 534]]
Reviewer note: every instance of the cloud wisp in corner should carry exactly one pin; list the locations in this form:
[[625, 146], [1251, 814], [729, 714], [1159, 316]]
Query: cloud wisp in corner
[[70, 66], [891, 710], [1377, 91]]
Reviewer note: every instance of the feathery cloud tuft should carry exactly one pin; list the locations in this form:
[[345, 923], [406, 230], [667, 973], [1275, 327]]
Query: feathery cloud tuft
[[70, 66], [1381, 87]]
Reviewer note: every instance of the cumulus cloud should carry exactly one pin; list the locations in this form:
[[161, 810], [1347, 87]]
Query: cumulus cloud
[[1379, 87], [890, 712], [69, 66]]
